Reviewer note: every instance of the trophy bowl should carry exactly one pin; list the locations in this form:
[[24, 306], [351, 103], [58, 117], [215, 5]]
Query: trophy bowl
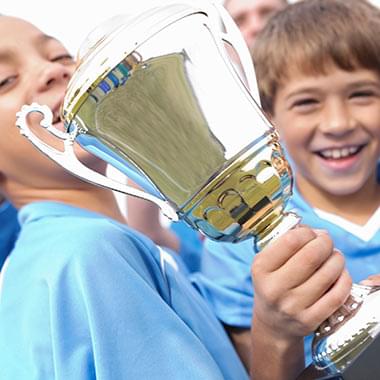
[[158, 97]]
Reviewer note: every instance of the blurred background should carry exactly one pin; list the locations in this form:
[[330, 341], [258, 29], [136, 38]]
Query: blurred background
[[71, 20]]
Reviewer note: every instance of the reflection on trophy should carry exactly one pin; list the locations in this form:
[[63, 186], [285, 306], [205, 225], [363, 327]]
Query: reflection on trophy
[[158, 97]]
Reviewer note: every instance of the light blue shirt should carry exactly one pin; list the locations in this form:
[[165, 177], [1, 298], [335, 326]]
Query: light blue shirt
[[84, 297]]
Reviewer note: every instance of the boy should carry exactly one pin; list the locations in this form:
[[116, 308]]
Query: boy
[[82, 296], [318, 68]]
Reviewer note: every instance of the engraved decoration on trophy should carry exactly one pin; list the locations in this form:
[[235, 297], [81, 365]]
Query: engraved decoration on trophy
[[158, 97]]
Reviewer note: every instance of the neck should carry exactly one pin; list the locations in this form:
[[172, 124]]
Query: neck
[[357, 207], [89, 197]]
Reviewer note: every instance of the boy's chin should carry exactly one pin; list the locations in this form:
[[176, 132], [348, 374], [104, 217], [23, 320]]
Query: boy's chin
[[342, 187]]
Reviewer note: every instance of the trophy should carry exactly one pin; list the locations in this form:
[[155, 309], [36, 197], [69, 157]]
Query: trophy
[[158, 97]]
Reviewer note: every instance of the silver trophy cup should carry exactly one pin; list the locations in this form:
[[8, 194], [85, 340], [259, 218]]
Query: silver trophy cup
[[159, 97]]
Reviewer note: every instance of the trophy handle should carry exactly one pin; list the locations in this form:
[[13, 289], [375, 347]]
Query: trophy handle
[[68, 160], [233, 37]]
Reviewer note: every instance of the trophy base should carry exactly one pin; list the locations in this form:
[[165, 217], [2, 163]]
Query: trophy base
[[365, 366]]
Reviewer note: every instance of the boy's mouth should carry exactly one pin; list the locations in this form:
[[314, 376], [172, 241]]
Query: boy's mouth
[[56, 110], [57, 120], [56, 117], [340, 153]]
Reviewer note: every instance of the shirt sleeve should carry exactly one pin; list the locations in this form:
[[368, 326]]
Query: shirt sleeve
[[225, 281]]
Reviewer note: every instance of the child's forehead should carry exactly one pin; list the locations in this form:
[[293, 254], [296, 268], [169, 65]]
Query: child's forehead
[[13, 30], [17, 34], [15, 25], [307, 67]]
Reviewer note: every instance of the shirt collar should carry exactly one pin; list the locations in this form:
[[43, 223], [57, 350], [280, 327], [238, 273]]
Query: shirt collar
[[37, 210]]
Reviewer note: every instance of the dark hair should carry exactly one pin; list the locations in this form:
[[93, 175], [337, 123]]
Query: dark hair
[[309, 36]]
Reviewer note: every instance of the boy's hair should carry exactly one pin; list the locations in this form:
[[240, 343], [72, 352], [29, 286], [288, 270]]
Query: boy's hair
[[309, 36]]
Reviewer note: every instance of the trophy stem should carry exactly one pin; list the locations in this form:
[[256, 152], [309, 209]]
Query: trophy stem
[[348, 331], [285, 222]]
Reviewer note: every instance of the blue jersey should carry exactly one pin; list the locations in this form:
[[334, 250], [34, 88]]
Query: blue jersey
[[9, 228], [84, 297], [226, 275]]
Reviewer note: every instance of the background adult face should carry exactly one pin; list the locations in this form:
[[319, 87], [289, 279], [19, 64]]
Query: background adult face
[[252, 15]]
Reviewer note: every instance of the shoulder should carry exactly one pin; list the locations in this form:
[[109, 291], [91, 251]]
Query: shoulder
[[87, 230], [103, 237], [84, 243]]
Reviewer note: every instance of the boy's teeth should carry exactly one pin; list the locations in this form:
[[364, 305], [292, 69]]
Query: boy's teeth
[[339, 153]]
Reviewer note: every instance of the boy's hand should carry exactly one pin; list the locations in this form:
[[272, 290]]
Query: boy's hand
[[373, 280], [299, 280]]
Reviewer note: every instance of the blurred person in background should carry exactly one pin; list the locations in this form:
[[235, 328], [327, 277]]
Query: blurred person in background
[[252, 15]]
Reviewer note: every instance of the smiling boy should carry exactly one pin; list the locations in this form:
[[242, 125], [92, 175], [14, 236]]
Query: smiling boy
[[318, 69]]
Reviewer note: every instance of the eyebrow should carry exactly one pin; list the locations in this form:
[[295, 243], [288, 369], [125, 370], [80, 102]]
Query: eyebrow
[[300, 91], [45, 38]]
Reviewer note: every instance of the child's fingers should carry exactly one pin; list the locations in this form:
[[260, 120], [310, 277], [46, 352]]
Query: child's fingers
[[330, 301], [278, 252], [302, 265], [321, 280]]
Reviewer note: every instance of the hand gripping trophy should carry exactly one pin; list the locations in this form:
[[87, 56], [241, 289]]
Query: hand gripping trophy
[[158, 97]]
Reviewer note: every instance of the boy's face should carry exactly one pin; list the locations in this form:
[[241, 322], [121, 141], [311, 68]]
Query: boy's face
[[330, 125], [33, 68]]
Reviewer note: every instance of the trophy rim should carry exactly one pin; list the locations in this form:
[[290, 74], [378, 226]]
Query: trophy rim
[[98, 63]]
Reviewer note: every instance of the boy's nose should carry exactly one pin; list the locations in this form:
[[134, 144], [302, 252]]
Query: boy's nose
[[337, 119], [52, 74]]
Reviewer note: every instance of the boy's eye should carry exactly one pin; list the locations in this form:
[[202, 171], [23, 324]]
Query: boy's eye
[[267, 12], [63, 58], [304, 104], [240, 19], [5, 82], [361, 94]]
